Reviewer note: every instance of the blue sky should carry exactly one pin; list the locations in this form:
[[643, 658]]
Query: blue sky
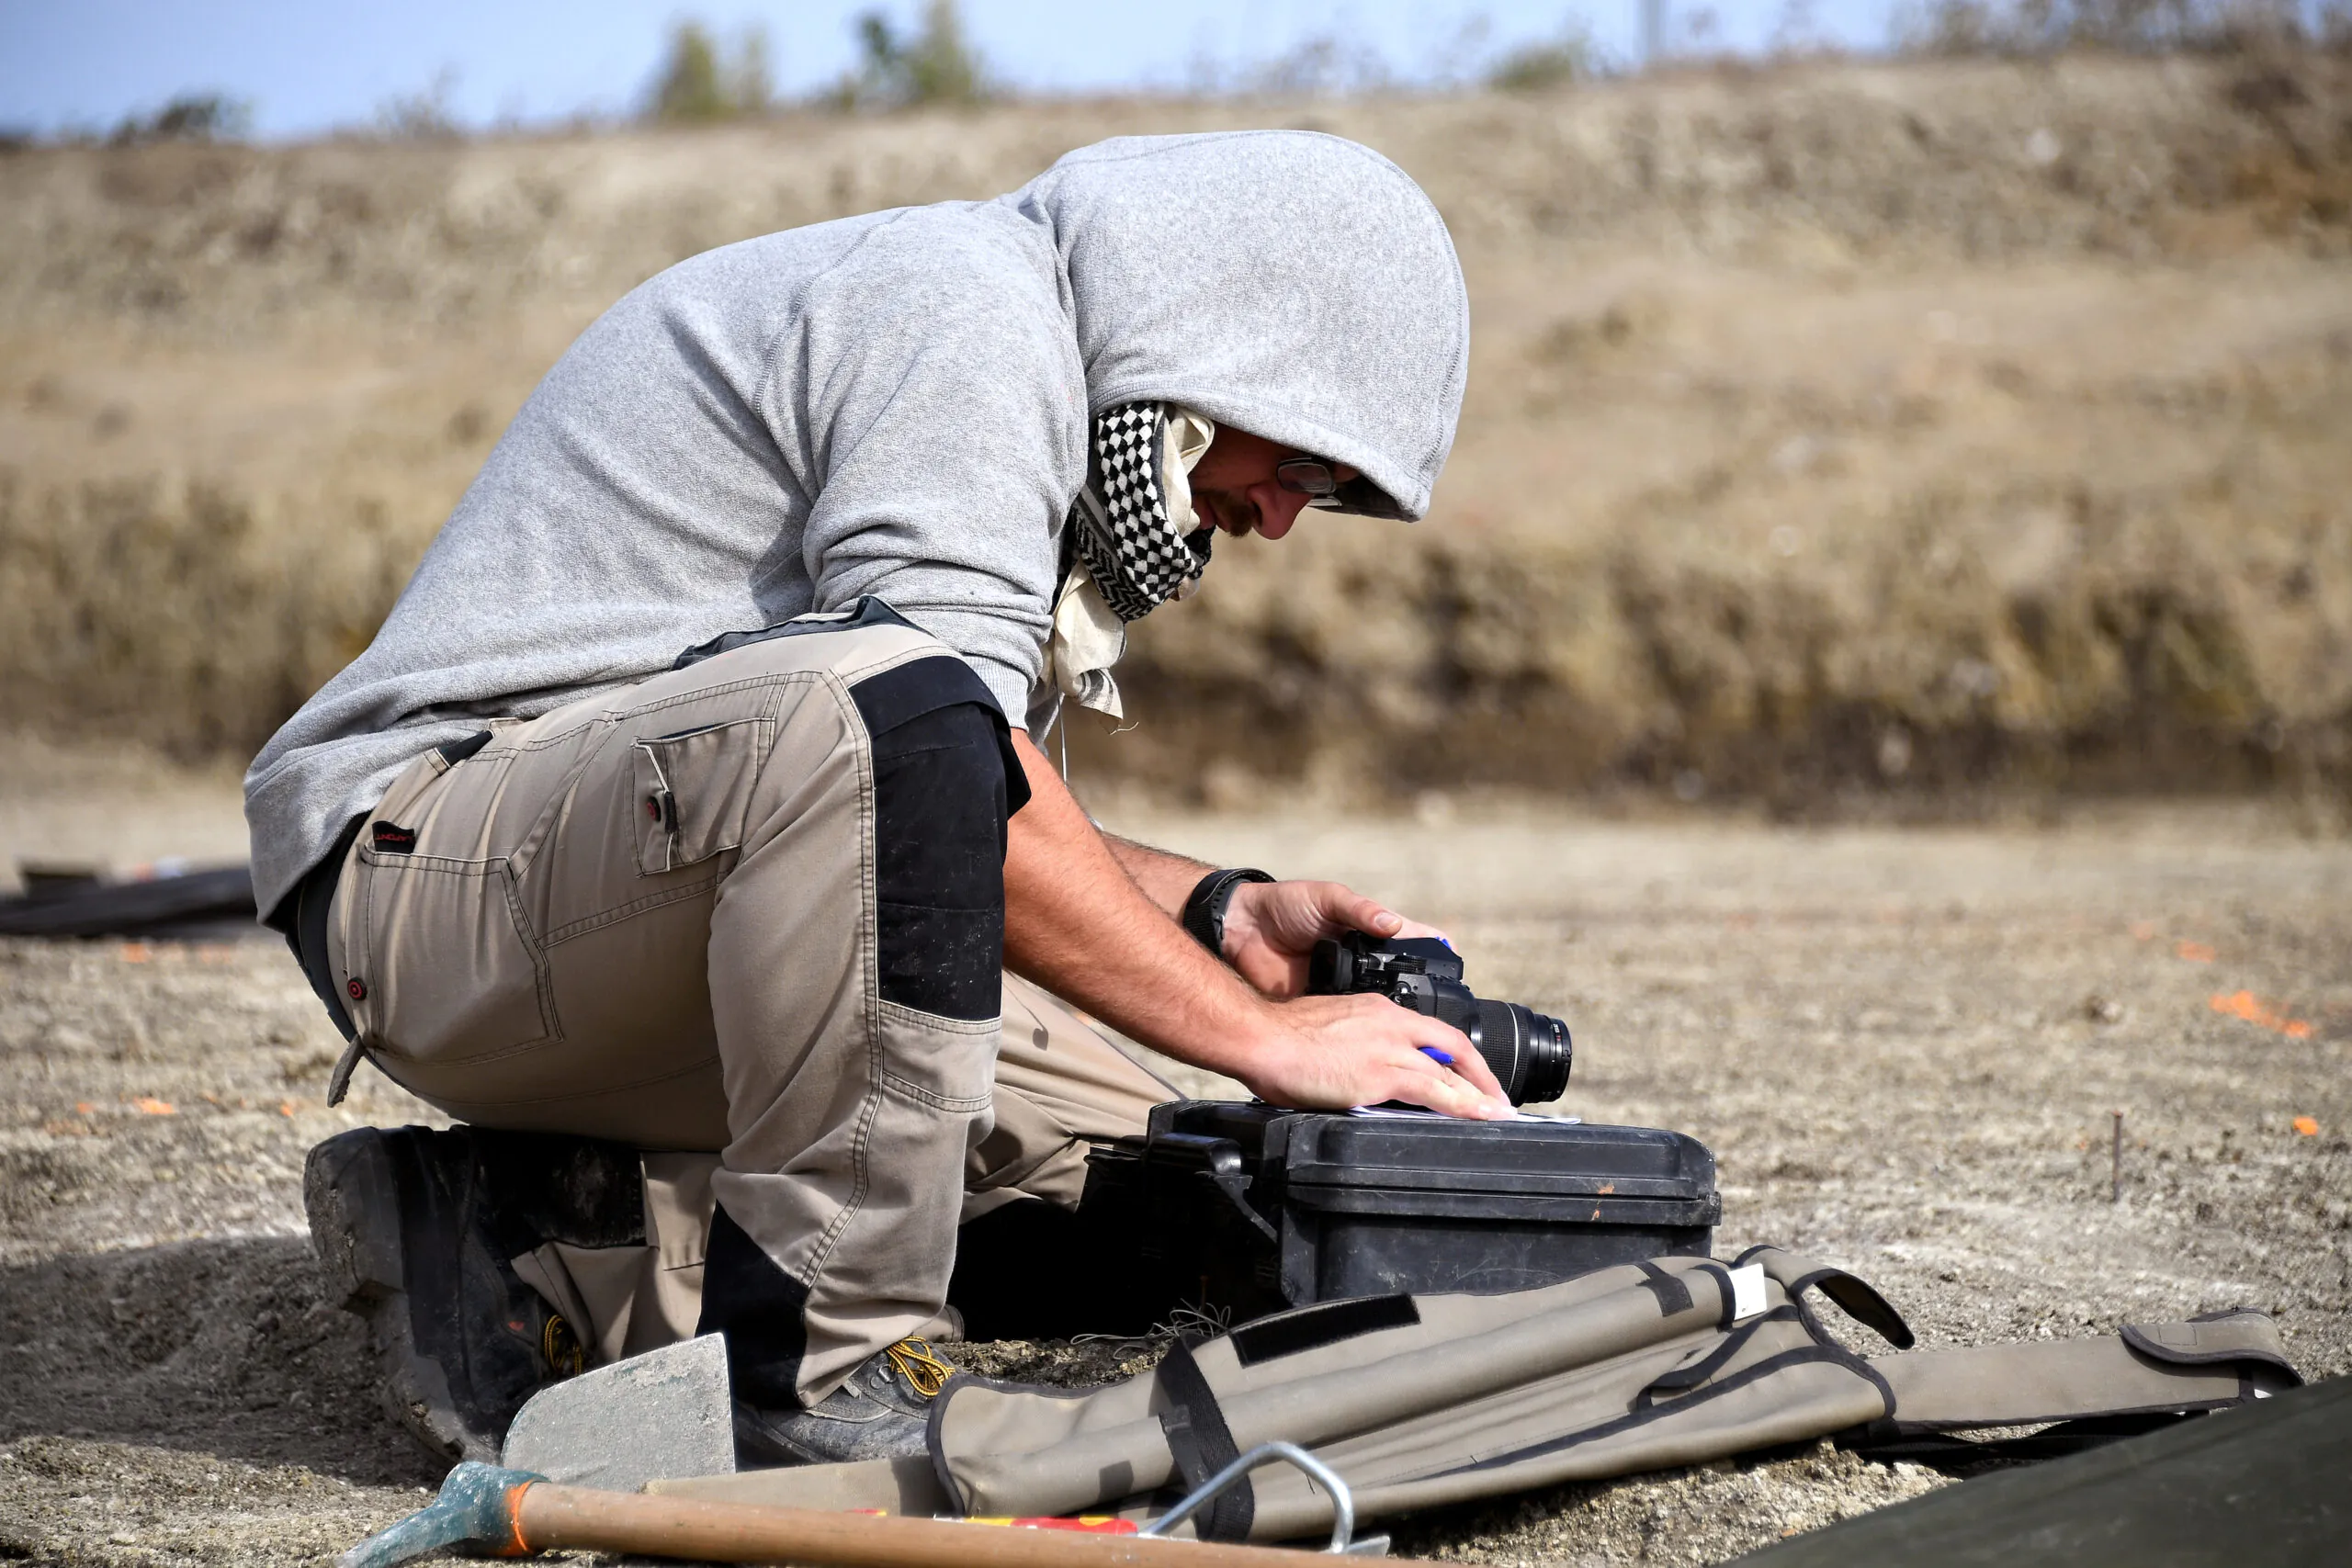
[[306, 67]]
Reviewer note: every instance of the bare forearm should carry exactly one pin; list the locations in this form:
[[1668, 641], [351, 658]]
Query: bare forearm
[[1167, 880], [1078, 922]]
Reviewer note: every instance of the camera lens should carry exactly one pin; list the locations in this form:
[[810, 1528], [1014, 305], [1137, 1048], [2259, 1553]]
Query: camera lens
[[1530, 1052]]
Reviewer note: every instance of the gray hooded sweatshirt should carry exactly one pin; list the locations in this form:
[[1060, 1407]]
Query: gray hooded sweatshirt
[[898, 405]]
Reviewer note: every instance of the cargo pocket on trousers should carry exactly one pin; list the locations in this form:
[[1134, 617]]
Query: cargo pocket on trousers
[[946, 1065], [445, 973], [693, 792]]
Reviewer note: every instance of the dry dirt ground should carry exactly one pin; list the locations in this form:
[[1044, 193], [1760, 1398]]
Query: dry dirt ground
[[1904, 1046]]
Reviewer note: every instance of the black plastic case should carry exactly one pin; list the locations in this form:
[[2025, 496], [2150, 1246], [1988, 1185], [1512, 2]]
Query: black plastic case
[[1242, 1208]]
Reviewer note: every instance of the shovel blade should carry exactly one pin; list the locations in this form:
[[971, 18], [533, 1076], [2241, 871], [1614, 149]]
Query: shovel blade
[[658, 1416]]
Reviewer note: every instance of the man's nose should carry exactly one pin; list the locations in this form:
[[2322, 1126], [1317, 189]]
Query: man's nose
[[1277, 508]]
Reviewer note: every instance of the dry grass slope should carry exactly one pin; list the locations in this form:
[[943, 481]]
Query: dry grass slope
[[1834, 433]]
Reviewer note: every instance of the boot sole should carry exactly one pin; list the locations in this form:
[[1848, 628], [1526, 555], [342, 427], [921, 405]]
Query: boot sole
[[351, 1194]]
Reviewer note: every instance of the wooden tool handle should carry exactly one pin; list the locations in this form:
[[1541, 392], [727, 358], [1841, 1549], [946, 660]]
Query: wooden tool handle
[[547, 1516]]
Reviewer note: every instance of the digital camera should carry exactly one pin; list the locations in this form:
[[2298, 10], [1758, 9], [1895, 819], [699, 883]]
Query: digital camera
[[1529, 1051]]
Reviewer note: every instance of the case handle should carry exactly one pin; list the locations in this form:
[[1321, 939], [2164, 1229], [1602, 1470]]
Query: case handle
[[1219, 1161]]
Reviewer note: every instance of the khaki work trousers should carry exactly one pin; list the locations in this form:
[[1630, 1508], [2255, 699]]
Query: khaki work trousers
[[664, 915]]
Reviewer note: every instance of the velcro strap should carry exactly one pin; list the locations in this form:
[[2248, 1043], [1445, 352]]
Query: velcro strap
[[1672, 1294], [1729, 1313], [1201, 1444], [1699, 1368], [1853, 1296], [2240, 1334], [2008, 1385]]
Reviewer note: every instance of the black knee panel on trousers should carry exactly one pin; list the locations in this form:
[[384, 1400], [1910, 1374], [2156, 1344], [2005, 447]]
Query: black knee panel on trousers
[[945, 779], [761, 1309]]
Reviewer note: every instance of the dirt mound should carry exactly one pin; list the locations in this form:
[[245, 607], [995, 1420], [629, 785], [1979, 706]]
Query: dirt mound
[[2134, 645], [1832, 430]]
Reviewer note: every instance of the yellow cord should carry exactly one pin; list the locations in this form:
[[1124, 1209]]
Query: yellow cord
[[924, 1372], [566, 1356]]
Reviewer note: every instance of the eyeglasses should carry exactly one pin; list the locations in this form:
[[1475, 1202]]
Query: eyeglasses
[[1309, 476]]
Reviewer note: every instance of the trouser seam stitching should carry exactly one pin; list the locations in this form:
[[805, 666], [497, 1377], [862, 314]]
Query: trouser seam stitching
[[959, 1103], [941, 1022], [525, 851], [635, 906], [870, 1103], [704, 693], [546, 742], [542, 973]]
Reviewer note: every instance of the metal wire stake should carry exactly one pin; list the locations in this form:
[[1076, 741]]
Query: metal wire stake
[[2115, 1172], [1343, 1502]]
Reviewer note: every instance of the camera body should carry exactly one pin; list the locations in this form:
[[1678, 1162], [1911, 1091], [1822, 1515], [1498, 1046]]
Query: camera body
[[1530, 1052]]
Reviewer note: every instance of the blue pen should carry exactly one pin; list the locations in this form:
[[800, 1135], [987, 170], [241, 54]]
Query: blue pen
[[1435, 1055]]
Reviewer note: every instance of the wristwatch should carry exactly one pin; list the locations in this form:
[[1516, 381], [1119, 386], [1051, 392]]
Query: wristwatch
[[1205, 910]]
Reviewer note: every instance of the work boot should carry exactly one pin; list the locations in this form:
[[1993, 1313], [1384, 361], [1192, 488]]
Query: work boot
[[417, 1229], [881, 1411]]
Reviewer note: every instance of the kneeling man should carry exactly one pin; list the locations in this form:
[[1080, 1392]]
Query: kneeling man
[[688, 800]]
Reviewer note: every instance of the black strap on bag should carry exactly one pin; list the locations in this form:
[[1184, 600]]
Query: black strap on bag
[[1201, 1444], [1855, 1297], [1672, 1294]]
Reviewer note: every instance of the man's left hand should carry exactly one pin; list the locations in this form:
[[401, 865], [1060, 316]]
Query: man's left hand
[[1271, 927]]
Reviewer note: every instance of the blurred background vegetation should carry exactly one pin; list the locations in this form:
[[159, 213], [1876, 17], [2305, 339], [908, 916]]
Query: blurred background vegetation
[[704, 78]]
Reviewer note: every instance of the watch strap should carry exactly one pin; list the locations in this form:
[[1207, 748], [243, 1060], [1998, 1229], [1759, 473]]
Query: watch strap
[[1205, 910]]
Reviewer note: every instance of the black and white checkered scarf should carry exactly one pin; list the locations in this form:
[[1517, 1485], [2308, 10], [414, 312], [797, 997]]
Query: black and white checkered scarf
[[1119, 523]]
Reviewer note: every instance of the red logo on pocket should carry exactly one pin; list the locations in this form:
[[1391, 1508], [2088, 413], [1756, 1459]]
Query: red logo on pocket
[[359, 989]]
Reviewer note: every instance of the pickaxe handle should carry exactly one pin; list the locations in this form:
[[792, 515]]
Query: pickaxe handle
[[513, 1514]]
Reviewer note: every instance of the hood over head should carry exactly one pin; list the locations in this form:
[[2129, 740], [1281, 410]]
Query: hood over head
[[1297, 286]]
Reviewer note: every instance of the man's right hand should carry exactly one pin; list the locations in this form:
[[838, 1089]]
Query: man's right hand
[[1076, 924], [1331, 1053]]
